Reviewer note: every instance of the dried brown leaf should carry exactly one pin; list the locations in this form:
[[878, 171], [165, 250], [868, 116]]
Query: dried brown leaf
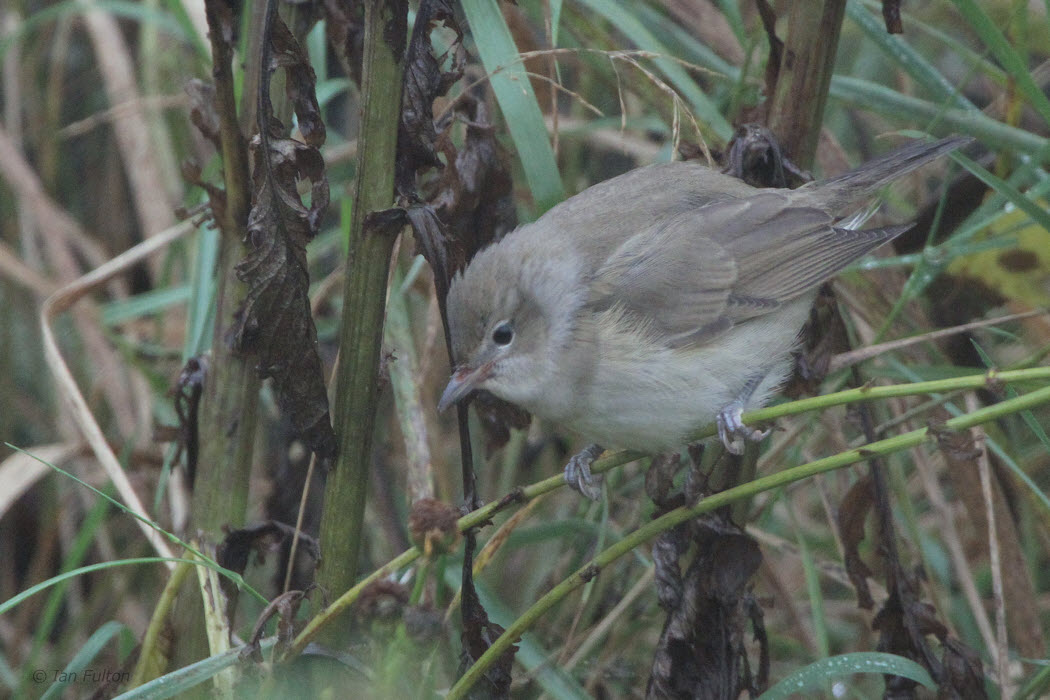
[[475, 194], [300, 82], [424, 82], [274, 322], [702, 652], [853, 511]]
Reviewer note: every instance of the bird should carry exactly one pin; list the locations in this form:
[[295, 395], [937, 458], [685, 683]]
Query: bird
[[653, 303]]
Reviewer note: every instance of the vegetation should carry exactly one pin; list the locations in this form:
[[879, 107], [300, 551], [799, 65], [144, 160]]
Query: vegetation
[[223, 345]]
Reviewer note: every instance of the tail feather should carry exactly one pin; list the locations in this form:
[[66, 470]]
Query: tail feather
[[838, 192]]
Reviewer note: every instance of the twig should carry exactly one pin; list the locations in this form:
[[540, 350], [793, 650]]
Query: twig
[[852, 357], [119, 111], [1002, 658]]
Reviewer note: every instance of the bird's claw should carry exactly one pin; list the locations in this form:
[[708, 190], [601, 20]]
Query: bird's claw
[[578, 473], [733, 432]]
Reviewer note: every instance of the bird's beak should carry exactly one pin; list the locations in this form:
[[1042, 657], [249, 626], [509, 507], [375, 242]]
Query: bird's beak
[[464, 380]]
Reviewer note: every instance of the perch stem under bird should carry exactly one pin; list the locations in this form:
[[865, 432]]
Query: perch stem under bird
[[655, 302]]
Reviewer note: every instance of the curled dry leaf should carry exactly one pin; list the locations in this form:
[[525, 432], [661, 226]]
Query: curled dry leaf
[[300, 82], [424, 82], [853, 511], [474, 195], [702, 650], [274, 322]]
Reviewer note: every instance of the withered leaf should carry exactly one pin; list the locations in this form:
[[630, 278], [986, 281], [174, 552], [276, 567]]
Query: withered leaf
[[236, 548], [823, 337], [424, 81], [284, 607], [300, 82], [702, 652], [963, 675], [497, 418], [475, 194], [442, 252], [274, 321], [853, 511]]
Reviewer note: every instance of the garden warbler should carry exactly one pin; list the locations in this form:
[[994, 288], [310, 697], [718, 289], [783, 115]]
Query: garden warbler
[[651, 304]]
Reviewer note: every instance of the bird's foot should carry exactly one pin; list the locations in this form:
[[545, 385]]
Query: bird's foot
[[732, 431], [578, 473]]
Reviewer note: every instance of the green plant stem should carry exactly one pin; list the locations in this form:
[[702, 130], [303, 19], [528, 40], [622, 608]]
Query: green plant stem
[[357, 382], [317, 625], [718, 500], [483, 515], [147, 666], [227, 416], [228, 404]]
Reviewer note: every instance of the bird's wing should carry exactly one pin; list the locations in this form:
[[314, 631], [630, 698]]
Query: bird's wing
[[782, 249], [697, 275], [679, 294]]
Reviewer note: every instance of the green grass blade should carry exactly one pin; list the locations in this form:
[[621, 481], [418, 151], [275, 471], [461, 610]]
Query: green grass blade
[[82, 660], [907, 58], [628, 23], [17, 599], [819, 673], [880, 99], [177, 682], [516, 100], [1000, 47], [148, 303]]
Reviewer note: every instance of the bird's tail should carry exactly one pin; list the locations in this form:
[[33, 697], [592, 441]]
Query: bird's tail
[[839, 192]]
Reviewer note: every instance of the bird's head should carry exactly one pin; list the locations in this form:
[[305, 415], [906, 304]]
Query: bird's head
[[510, 315]]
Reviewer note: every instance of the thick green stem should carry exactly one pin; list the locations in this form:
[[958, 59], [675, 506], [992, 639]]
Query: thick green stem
[[357, 382], [228, 404]]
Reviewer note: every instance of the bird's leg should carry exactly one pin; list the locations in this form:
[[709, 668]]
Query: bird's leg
[[731, 429], [578, 473]]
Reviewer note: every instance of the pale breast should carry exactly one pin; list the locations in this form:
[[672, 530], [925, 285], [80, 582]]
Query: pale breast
[[652, 398]]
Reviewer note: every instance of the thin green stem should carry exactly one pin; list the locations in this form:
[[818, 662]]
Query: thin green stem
[[525, 494], [718, 500]]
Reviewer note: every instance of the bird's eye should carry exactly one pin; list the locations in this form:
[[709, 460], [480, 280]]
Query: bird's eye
[[503, 334]]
